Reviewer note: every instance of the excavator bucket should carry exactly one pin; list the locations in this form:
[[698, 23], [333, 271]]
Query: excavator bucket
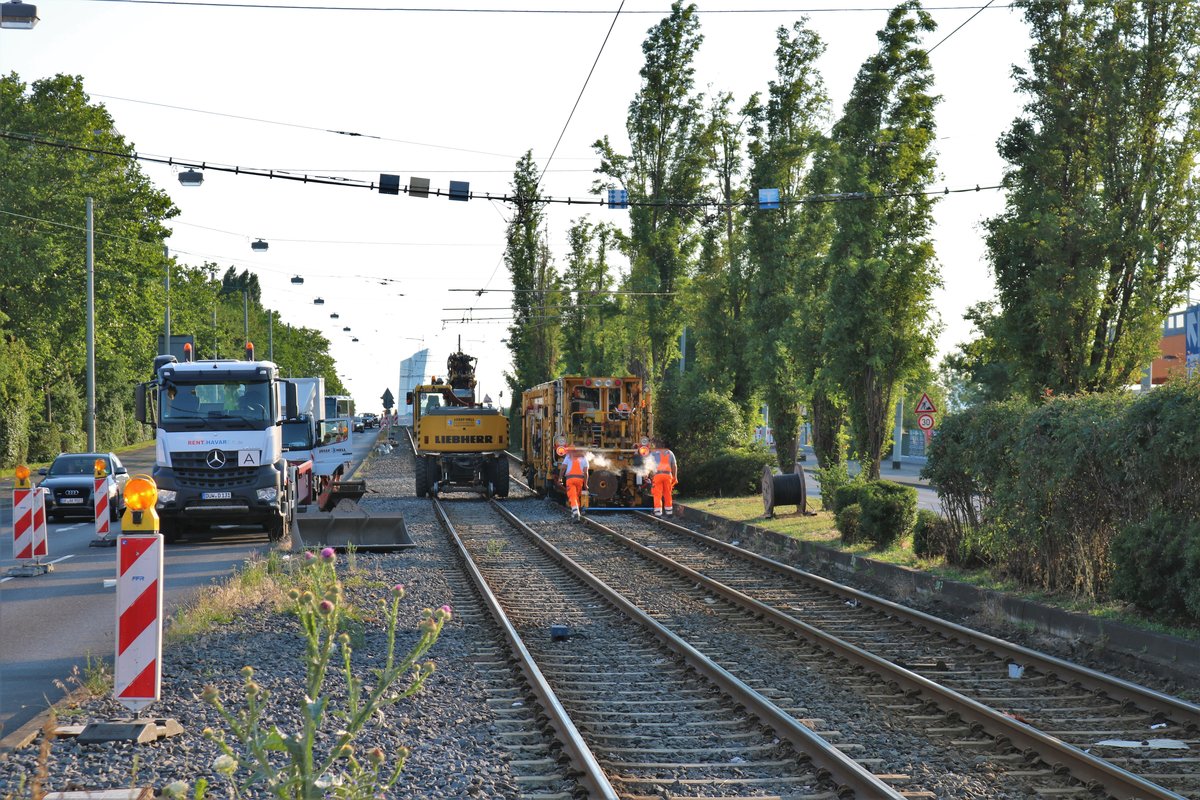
[[351, 526]]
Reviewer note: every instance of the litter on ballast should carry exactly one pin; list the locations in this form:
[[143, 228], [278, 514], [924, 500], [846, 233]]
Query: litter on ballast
[[1148, 744]]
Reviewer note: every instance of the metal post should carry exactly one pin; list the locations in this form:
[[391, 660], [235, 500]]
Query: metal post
[[215, 348], [682, 349], [167, 316], [270, 335], [245, 315], [90, 413], [897, 437]]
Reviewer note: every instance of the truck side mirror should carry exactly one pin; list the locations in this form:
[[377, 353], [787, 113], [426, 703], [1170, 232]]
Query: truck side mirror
[[291, 403], [408, 398], [139, 402]]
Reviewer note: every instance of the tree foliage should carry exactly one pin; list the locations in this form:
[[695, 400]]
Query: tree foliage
[[1097, 240], [878, 328], [43, 192]]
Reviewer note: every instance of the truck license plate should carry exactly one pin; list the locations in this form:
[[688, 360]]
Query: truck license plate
[[68, 500], [216, 496]]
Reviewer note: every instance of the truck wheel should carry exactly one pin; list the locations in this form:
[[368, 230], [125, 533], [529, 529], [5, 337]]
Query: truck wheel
[[276, 527], [422, 470], [500, 477], [433, 475], [169, 529]]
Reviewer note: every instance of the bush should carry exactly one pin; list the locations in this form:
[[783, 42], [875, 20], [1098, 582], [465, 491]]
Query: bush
[[849, 493], [1156, 564], [831, 479], [888, 512], [932, 535], [731, 472], [848, 520]]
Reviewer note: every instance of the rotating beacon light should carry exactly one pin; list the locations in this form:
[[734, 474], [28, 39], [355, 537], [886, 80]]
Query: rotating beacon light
[[141, 495]]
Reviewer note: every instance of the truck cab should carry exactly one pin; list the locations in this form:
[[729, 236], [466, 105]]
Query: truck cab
[[219, 455]]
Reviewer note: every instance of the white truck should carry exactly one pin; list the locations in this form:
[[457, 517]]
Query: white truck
[[219, 456], [320, 449]]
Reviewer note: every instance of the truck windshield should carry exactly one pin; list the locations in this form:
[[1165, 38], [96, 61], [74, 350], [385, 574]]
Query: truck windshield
[[243, 404]]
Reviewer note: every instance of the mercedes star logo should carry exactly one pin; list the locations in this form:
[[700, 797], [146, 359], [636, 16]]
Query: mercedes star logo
[[215, 459]]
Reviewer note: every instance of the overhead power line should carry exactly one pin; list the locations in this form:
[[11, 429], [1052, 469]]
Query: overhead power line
[[534, 11], [959, 28], [283, 175]]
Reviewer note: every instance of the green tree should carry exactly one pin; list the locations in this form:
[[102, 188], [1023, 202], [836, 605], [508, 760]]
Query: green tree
[[786, 247], [664, 175], [533, 337], [590, 318], [878, 330], [1097, 240]]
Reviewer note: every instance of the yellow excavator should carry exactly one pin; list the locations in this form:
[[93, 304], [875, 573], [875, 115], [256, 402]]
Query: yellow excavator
[[460, 442]]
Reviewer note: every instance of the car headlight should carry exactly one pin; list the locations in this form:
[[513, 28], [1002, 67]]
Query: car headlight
[[166, 496], [268, 495]]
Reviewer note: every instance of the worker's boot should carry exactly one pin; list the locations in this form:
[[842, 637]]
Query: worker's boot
[[575, 515], [669, 512], [658, 512]]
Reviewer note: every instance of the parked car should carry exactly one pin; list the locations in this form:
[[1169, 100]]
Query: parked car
[[68, 484], [370, 420]]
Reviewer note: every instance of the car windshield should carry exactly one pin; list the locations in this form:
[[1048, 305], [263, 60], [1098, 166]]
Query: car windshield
[[76, 465]]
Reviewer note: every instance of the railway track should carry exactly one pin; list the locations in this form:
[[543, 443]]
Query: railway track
[[657, 718], [1057, 713]]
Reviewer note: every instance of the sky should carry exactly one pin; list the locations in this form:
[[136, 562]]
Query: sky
[[460, 95]]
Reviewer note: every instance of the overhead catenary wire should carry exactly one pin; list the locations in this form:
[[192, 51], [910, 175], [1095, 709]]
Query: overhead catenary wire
[[283, 175], [960, 27], [574, 11]]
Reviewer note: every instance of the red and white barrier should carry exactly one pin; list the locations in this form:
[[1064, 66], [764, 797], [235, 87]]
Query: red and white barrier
[[41, 529], [100, 505], [138, 675], [23, 507]]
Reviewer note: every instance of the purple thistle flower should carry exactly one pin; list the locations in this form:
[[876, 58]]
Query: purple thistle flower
[[328, 554]]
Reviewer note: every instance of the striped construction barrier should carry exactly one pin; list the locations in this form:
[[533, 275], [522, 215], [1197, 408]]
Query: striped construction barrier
[[30, 542], [100, 489], [138, 674]]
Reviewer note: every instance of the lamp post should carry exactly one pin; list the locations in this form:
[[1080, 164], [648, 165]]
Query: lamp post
[[167, 314], [90, 412]]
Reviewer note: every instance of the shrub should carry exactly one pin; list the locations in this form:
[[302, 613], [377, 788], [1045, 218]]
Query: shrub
[[849, 493], [733, 471], [848, 523], [932, 535], [1156, 564], [888, 512], [831, 479]]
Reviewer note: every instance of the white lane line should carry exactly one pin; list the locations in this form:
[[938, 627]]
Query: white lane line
[[9, 578], [61, 558]]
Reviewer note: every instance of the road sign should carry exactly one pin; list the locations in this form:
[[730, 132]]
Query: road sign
[[925, 406], [925, 421]]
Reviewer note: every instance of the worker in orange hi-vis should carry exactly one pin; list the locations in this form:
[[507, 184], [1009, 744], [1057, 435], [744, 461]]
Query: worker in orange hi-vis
[[666, 475], [574, 474]]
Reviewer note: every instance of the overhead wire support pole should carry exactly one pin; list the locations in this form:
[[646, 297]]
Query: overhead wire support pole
[[90, 413]]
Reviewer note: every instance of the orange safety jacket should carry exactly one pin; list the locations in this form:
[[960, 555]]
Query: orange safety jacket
[[575, 466], [665, 461]]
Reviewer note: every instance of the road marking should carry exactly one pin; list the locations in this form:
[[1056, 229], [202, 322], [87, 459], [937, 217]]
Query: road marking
[[9, 578], [62, 558]]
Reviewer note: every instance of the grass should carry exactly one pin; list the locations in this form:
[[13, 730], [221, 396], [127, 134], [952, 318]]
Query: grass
[[820, 529], [257, 581]]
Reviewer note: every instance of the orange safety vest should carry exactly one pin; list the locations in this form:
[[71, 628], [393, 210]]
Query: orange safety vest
[[576, 465], [664, 460]]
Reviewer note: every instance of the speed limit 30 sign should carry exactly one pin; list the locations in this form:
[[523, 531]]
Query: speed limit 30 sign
[[925, 422]]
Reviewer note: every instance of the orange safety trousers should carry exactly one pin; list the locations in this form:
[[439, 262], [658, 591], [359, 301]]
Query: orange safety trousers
[[660, 489], [574, 490]]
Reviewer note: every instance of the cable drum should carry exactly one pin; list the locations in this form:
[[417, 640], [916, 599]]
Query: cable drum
[[783, 490]]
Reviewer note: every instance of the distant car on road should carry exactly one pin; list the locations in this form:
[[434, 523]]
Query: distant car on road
[[370, 420], [359, 427], [68, 484]]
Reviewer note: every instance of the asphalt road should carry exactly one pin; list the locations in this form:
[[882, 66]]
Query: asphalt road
[[51, 623]]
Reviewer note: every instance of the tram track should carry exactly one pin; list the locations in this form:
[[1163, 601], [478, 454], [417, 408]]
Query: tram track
[[662, 719], [1055, 712]]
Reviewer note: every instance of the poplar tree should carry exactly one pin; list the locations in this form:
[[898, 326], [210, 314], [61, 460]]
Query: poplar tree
[[878, 327], [664, 175], [1097, 239], [786, 246], [591, 324], [532, 337]]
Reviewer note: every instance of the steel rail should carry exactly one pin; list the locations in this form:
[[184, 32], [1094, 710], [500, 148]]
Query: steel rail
[[1088, 769], [1187, 714], [829, 761], [590, 773]]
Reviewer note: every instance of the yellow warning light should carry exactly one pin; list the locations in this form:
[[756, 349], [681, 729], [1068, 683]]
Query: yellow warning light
[[22, 472], [643, 450], [561, 450], [141, 493], [101, 467]]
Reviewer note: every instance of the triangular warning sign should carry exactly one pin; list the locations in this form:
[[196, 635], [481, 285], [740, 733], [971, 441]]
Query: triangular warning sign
[[926, 405]]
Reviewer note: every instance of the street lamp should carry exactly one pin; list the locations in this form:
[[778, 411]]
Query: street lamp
[[191, 178], [15, 14]]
